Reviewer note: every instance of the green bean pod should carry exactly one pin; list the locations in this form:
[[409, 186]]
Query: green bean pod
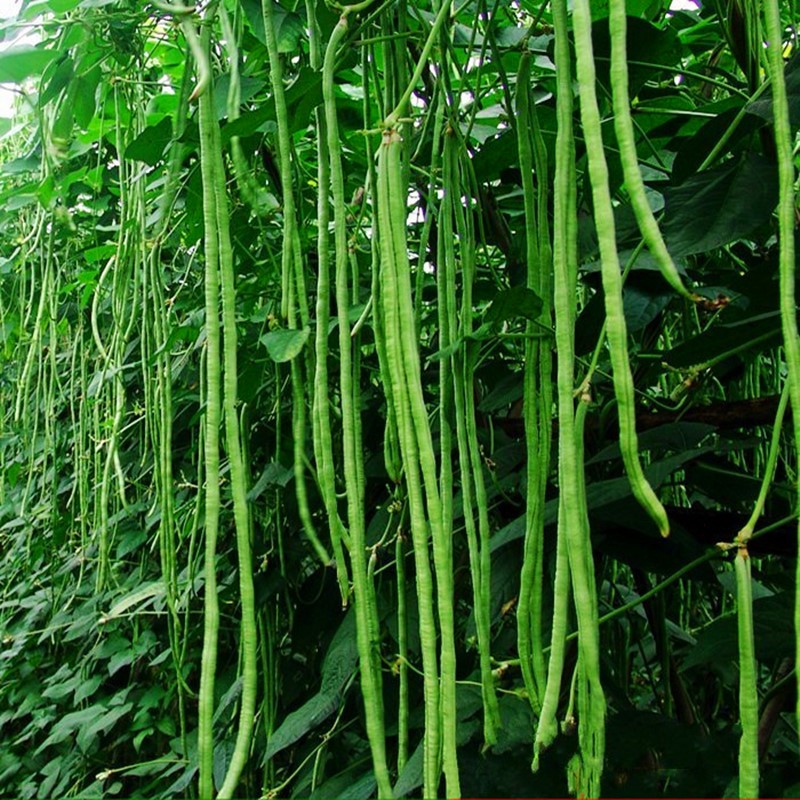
[[616, 328], [623, 125], [748, 667]]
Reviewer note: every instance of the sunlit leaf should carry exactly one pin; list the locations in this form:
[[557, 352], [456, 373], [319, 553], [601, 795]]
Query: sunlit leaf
[[23, 61], [285, 345]]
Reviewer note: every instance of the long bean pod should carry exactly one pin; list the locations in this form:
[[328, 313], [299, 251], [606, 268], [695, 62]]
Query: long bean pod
[[213, 405], [537, 428], [616, 328], [394, 259], [623, 125], [748, 667], [365, 603], [586, 768]]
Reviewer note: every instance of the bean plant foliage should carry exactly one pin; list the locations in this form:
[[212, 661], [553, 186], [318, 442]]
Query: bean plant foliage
[[398, 399]]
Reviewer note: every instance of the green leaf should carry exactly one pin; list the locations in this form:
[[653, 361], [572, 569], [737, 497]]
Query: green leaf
[[255, 18], [643, 303], [62, 75], [720, 205], [24, 61], [495, 156], [85, 97], [518, 301], [289, 27], [411, 776], [118, 661], [66, 726], [312, 713], [99, 253], [601, 493], [676, 436], [150, 144], [350, 784], [762, 107], [285, 345], [717, 642], [143, 595], [101, 724], [339, 664], [751, 334], [340, 660], [59, 686], [274, 474], [302, 97]]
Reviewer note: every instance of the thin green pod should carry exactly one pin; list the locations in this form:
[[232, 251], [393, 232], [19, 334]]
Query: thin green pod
[[623, 125], [470, 456], [573, 527], [238, 478], [547, 722], [411, 378], [391, 230], [616, 328], [748, 667], [529, 609], [216, 215], [365, 603], [213, 406]]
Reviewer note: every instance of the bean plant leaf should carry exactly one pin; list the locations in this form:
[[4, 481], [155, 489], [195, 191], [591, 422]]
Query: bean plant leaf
[[285, 345], [339, 664], [342, 655], [678, 436], [724, 341], [150, 144], [518, 301], [255, 18], [70, 723], [274, 474], [137, 598], [762, 106], [311, 714], [643, 303], [351, 784], [411, 776], [288, 25], [720, 205], [716, 643], [24, 61], [601, 493], [302, 97]]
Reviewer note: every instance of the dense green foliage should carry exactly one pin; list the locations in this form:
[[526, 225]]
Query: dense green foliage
[[351, 378]]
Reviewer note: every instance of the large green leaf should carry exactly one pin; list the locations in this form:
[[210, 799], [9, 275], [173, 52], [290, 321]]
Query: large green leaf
[[518, 301], [312, 713], [750, 335], [302, 97], [676, 436], [601, 493], [150, 144], [720, 205], [288, 25], [716, 644], [339, 665], [651, 49], [24, 61], [285, 345], [762, 106]]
